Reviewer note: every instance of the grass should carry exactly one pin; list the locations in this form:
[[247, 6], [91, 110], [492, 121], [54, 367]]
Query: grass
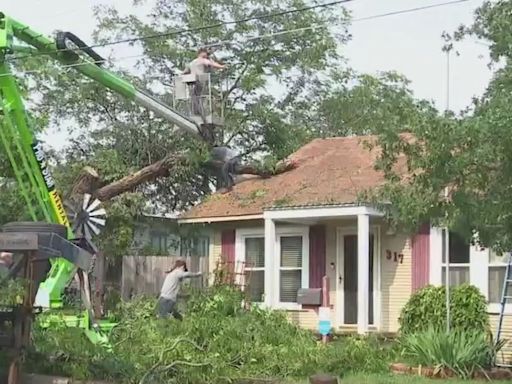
[[400, 379]]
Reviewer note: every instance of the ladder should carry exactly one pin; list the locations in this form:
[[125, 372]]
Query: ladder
[[506, 297]]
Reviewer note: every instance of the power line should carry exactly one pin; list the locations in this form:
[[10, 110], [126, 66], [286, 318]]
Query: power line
[[312, 27], [195, 29], [269, 35], [422, 8]]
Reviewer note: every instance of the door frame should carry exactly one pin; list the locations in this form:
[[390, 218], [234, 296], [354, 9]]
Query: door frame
[[340, 303]]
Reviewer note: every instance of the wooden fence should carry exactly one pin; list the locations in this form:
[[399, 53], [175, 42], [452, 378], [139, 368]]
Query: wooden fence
[[144, 275]]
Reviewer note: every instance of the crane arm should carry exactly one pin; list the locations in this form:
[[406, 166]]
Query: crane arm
[[25, 153], [92, 69]]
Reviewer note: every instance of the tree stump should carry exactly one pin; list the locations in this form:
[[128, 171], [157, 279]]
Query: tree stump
[[323, 379]]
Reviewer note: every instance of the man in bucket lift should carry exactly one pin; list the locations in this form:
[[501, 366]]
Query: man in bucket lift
[[199, 67]]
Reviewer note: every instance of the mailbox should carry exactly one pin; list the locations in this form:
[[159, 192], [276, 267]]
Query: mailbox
[[310, 296]]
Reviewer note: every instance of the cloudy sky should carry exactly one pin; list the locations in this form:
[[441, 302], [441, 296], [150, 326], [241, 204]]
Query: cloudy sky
[[409, 43]]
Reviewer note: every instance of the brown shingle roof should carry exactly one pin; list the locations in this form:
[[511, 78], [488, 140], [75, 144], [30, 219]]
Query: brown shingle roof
[[329, 171]]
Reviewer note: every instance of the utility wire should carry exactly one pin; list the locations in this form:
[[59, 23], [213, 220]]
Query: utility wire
[[195, 29], [422, 8], [183, 31], [269, 35], [372, 17]]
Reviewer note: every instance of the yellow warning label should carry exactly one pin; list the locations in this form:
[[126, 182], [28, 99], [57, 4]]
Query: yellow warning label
[[58, 207]]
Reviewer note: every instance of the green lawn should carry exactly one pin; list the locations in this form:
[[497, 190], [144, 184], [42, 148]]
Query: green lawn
[[399, 379]]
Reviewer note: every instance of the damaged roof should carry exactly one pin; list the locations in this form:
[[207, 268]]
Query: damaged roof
[[328, 171]]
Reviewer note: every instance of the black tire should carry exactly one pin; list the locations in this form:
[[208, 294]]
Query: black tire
[[39, 227]]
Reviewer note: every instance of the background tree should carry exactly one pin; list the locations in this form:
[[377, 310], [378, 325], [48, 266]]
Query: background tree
[[350, 103], [468, 157]]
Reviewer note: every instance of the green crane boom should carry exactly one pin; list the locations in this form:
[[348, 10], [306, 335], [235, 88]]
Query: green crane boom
[[25, 152]]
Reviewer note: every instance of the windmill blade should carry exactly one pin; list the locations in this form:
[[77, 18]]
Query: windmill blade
[[87, 233], [87, 218], [71, 217], [77, 228], [70, 207], [100, 222], [94, 228], [98, 212], [93, 205], [87, 198], [70, 211]]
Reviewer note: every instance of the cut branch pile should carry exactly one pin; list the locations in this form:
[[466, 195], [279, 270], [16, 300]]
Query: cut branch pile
[[217, 342]]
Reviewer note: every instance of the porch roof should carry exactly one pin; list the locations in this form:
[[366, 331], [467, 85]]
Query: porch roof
[[330, 173]]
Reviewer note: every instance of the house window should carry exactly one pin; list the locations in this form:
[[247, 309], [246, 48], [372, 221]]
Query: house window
[[458, 251], [158, 242], [195, 247], [290, 269], [497, 269], [255, 267], [287, 270]]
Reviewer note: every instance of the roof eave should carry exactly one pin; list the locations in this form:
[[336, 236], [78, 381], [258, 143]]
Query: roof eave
[[219, 219]]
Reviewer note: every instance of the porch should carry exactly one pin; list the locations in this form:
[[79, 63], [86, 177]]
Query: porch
[[342, 242]]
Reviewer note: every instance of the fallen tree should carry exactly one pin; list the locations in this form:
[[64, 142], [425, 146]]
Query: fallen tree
[[89, 180]]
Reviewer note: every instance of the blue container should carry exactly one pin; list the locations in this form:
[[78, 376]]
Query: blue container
[[324, 327]]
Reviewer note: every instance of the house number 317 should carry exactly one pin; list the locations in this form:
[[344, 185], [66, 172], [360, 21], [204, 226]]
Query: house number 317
[[395, 256]]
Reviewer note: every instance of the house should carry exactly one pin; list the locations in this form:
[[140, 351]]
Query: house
[[158, 236], [298, 226]]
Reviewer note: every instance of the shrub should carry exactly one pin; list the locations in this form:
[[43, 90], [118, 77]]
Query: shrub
[[12, 291], [216, 342], [426, 309], [462, 352]]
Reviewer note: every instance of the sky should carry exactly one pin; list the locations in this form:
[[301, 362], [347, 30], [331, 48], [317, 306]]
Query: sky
[[409, 43]]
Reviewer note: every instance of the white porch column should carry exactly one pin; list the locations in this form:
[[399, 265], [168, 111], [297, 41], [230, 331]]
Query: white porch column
[[479, 268], [363, 272], [436, 255], [270, 262]]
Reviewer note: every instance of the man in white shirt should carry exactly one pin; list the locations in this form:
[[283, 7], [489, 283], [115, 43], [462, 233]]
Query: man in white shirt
[[171, 287], [200, 66]]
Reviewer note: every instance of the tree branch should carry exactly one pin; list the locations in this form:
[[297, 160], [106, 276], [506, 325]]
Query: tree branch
[[89, 181], [256, 169], [237, 81], [128, 183]]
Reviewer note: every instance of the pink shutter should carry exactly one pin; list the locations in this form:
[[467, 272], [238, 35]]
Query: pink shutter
[[316, 255], [421, 258], [228, 245]]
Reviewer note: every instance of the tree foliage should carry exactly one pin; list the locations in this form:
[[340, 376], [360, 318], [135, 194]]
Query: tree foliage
[[459, 168]]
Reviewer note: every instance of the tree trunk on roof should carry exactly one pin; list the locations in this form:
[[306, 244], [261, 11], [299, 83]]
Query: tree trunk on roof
[[90, 182]]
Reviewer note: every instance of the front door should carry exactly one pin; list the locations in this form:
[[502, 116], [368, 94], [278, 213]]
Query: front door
[[347, 280]]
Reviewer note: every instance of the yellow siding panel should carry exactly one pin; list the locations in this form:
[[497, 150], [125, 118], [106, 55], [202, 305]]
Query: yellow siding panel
[[506, 353], [307, 319], [396, 280]]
